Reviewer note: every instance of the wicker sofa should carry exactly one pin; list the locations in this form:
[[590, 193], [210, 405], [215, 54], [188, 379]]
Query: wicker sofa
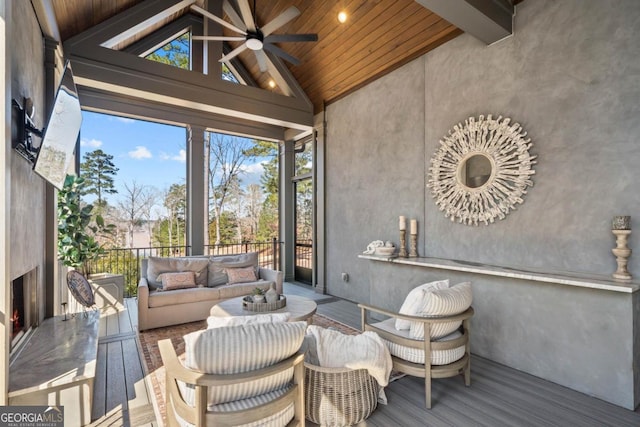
[[159, 307]]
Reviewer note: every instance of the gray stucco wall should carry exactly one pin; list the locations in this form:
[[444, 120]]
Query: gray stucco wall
[[571, 76], [27, 213]]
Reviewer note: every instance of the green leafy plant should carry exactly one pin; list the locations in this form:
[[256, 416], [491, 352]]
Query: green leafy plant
[[77, 227], [257, 291]]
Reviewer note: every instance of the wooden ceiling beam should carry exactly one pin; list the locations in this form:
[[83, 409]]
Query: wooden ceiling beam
[[486, 20]]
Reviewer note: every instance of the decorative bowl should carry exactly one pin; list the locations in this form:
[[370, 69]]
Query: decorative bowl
[[385, 250]]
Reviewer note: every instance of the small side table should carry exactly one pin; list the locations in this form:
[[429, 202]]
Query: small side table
[[108, 289]]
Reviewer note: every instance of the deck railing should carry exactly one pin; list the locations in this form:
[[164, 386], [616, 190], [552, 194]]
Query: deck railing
[[126, 261]]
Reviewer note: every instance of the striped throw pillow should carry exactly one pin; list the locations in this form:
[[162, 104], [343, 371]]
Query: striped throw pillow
[[442, 302], [414, 301]]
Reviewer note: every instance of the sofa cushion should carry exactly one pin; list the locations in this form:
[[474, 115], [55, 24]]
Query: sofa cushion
[[241, 275], [182, 280], [243, 348], [241, 289], [217, 274], [183, 296], [413, 303], [159, 265]]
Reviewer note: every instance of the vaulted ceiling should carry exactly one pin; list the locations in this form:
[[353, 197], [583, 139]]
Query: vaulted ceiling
[[378, 37]]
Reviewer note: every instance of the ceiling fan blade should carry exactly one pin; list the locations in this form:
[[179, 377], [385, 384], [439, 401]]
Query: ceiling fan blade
[[245, 12], [235, 52], [280, 20], [262, 60], [220, 38], [216, 19], [280, 38], [232, 14], [281, 53]]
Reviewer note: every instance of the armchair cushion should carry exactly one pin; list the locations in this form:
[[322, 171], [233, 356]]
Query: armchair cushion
[[219, 322], [244, 348], [413, 303], [416, 355], [157, 265], [442, 302]]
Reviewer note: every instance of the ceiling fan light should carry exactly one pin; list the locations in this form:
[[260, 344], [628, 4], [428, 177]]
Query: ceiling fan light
[[254, 44], [342, 17]]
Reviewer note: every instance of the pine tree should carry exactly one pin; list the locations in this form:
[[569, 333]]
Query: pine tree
[[98, 171]]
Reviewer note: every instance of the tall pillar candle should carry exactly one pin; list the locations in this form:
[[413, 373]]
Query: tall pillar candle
[[403, 223], [414, 226]]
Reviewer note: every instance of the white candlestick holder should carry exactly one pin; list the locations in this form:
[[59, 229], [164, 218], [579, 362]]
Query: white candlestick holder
[[622, 253]]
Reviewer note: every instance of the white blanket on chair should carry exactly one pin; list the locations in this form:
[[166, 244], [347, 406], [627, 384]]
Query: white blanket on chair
[[363, 351]]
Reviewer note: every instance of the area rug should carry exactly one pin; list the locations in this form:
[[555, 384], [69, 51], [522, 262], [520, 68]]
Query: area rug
[[154, 370]]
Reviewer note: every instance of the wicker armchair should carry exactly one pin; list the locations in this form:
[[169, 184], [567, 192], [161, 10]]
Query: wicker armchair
[[448, 357]]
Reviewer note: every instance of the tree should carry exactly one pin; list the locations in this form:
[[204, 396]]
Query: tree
[[227, 155], [175, 53], [98, 171], [175, 200], [134, 205], [268, 222]]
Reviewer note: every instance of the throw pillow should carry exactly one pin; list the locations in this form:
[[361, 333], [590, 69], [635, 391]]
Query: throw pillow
[[219, 263], [219, 322], [413, 303], [241, 275], [170, 281], [442, 302], [158, 265]]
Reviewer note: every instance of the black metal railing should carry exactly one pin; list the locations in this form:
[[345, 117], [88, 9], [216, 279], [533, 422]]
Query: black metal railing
[[304, 254], [126, 261], [268, 252]]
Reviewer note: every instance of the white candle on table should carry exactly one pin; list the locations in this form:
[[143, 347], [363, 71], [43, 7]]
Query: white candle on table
[[414, 226], [403, 223]]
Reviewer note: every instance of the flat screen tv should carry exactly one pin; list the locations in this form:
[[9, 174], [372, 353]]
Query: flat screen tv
[[61, 132]]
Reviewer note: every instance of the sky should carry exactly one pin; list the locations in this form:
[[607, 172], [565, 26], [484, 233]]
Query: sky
[[152, 154]]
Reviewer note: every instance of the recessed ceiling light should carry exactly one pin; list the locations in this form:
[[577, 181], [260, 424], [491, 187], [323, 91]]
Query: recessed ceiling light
[[272, 84], [342, 17]]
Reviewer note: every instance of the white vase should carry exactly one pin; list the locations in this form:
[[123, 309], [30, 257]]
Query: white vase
[[258, 298], [272, 295]]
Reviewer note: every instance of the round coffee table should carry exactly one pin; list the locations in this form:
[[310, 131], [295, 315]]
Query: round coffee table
[[300, 308]]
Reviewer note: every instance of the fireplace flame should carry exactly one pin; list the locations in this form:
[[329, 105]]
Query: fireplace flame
[[15, 319]]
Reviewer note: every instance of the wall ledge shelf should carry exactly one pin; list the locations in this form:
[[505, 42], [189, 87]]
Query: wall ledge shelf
[[582, 280]]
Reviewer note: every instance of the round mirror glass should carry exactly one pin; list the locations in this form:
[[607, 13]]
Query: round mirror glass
[[475, 171]]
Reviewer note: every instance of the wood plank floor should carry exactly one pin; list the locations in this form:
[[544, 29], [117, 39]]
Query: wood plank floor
[[498, 396]]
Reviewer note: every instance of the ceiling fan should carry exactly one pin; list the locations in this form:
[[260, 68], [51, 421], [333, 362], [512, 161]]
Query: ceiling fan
[[257, 39]]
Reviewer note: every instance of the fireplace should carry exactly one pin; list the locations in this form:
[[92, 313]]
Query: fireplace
[[23, 306]]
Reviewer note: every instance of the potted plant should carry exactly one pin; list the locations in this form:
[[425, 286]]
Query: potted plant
[[77, 227], [258, 295]]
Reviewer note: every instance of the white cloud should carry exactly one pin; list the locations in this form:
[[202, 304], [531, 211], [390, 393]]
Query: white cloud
[[93, 143], [125, 120], [252, 173], [141, 152], [180, 157], [254, 169]]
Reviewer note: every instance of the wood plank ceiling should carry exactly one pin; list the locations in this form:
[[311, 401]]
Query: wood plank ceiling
[[378, 37]]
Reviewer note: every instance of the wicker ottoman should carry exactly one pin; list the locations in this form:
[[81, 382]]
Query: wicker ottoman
[[338, 396]]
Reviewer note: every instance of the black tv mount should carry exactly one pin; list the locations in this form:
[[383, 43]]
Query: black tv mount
[[23, 143]]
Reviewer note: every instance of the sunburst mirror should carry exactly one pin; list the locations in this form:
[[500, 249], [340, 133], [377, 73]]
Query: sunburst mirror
[[481, 170]]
